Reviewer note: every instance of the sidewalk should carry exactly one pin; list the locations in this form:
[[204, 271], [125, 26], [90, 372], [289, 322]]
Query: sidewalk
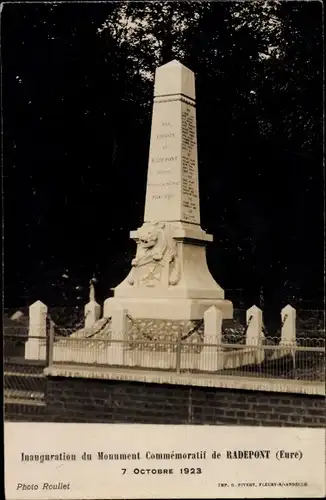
[[191, 379]]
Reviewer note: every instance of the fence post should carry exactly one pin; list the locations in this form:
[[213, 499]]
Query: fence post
[[92, 310], [288, 330], [49, 345], [255, 334], [17, 316], [178, 353], [35, 347], [211, 357]]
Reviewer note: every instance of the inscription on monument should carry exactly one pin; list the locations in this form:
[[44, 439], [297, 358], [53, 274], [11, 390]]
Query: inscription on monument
[[161, 159], [163, 183], [189, 187]]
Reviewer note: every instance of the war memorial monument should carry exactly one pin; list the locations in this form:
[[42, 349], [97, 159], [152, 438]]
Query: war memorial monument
[[169, 278]]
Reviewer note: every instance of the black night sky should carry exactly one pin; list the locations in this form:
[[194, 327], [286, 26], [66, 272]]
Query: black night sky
[[76, 128]]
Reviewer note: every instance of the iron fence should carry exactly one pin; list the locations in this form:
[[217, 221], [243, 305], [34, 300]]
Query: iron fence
[[304, 360], [26, 356]]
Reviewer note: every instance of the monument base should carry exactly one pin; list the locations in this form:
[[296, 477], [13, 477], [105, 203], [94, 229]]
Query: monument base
[[169, 309], [169, 279]]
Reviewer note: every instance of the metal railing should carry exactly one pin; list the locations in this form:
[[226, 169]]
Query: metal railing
[[24, 379], [304, 360], [26, 356]]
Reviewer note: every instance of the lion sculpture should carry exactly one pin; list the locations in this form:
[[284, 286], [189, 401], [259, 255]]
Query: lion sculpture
[[156, 257]]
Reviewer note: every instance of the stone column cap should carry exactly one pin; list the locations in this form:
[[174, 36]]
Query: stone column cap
[[182, 230], [174, 78]]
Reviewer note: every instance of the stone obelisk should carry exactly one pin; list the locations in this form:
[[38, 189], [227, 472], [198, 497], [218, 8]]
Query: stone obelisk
[[169, 277]]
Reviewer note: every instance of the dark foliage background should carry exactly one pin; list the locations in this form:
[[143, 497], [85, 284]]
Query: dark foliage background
[[77, 93]]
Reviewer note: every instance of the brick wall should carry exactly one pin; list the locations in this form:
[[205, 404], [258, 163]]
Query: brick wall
[[91, 400], [25, 412]]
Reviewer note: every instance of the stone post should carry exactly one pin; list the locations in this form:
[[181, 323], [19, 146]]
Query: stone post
[[92, 310], [35, 347], [255, 334], [211, 357], [92, 313], [288, 333], [17, 316], [288, 330]]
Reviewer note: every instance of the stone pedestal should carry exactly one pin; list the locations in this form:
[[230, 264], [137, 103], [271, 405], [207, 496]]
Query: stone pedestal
[[288, 331], [35, 347], [255, 335], [92, 313], [172, 279], [211, 357], [169, 277]]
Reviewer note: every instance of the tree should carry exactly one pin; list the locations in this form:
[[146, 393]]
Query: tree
[[77, 106]]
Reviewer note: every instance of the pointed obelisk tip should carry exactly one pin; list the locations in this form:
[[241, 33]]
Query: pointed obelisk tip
[[172, 63], [174, 78]]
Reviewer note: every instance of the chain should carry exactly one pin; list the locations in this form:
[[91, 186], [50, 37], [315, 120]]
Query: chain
[[148, 337], [247, 325], [138, 329], [283, 320], [59, 331], [51, 324], [193, 330], [100, 329]]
